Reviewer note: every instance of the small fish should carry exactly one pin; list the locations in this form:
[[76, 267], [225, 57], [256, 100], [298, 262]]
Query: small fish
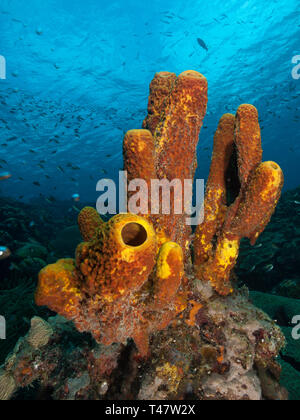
[[50, 199], [5, 175], [4, 253], [31, 224], [202, 44], [258, 246], [297, 202], [268, 268], [76, 197]]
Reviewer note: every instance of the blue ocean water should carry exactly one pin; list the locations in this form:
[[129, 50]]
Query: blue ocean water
[[78, 74]]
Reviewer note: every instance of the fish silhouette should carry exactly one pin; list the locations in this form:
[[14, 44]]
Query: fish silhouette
[[202, 44]]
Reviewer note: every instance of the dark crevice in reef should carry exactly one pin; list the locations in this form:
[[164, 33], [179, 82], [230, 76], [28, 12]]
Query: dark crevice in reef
[[233, 184], [124, 378], [281, 317], [34, 393]]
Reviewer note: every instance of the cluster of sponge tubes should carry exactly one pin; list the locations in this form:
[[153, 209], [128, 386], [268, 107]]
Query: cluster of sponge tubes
[[237, 175], [131, 275]]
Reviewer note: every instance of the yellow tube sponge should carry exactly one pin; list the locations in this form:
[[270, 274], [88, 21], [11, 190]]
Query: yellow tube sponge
[[169, 272], [89, 221], [215, 197], [247, 140], [58, 288], [261, 198], [120, 258], [253, 214]]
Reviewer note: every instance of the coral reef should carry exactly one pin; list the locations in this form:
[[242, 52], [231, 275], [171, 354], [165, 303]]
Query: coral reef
[[215, 356], [156, 310], [36, 236]]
